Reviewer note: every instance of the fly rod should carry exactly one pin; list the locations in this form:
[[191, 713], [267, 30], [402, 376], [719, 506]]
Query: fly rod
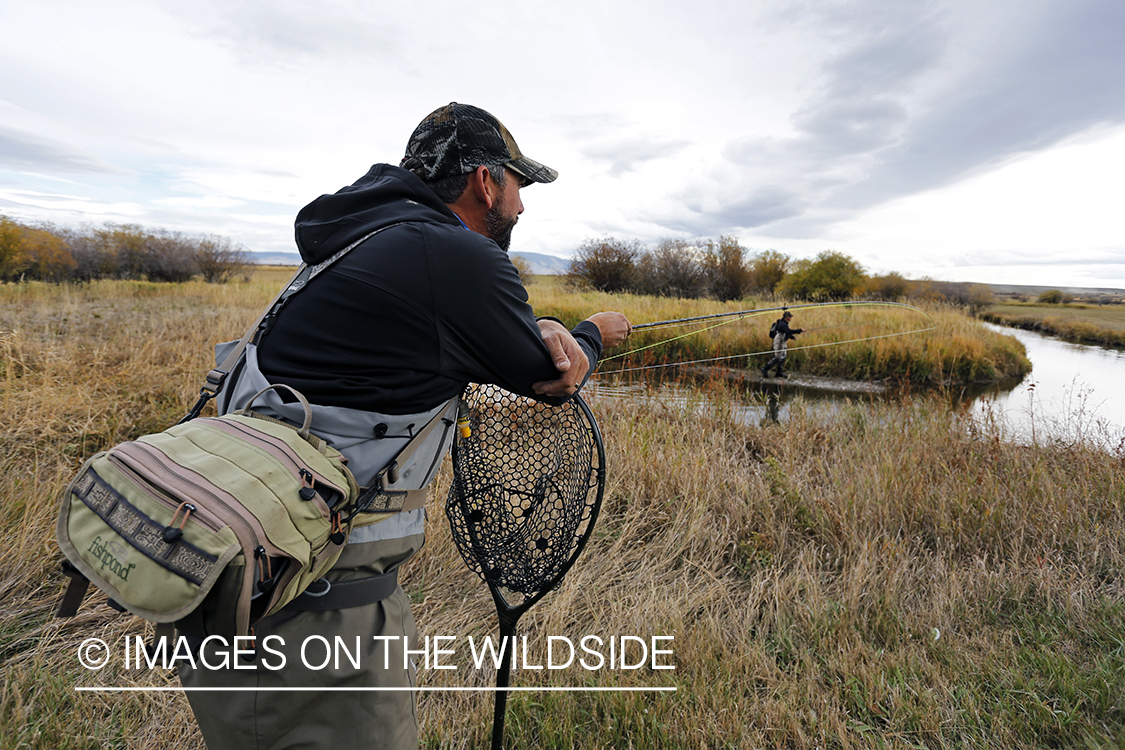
[[738, 314], [757, 311]]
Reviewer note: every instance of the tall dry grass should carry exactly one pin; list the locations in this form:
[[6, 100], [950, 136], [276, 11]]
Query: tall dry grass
[[897, 576]]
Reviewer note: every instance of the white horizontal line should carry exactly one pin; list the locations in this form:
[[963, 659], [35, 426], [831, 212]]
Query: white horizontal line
[[363, 690]]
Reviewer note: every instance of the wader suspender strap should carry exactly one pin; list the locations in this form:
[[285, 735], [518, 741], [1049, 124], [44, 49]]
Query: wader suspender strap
[[375, 498], [216, 378]]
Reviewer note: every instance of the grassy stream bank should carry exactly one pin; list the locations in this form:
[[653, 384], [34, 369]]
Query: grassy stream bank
[[1097, 325]]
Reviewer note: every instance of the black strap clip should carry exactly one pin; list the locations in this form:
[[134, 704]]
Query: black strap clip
[[211, 388]]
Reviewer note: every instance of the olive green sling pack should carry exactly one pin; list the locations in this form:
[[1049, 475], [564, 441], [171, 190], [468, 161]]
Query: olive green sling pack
[[216, 522], [211, 524]]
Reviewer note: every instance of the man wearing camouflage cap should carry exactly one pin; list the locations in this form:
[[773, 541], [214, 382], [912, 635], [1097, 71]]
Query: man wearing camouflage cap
[[424, 301]]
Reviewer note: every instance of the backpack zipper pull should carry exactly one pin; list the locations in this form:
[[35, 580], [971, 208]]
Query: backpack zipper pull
[[307, 491], [173, 533], [265, 574], [337, 536]]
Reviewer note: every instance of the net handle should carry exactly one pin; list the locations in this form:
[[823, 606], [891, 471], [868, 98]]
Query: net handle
[[507, 614]]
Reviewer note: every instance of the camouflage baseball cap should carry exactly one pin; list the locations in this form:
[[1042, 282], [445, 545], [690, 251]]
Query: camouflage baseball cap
[[458, 138]]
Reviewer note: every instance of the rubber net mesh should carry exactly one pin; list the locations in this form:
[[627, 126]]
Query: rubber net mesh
[[521, 498]]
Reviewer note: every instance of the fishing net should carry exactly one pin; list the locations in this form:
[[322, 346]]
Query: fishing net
[[521, 505]]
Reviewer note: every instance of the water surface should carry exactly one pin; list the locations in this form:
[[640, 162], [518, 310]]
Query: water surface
[[1074, 392]]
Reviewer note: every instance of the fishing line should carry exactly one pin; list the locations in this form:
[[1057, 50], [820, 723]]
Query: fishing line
[[667, 341], [763, 310], [824, 328], [765, 351], [741, 314]]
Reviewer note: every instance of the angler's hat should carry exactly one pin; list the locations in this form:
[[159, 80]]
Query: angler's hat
[[458, 138]]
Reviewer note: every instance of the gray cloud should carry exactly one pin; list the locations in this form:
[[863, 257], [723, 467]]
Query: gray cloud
[[845, 127], [763, 206], [891, 49], [20, 150], [862, 107], [767, 205], [1067, 76], [278, 31], [625, 155], [903, 110]]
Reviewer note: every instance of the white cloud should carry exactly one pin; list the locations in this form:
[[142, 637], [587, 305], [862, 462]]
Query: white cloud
[[66, 208], [1054, 216], [203, 202]]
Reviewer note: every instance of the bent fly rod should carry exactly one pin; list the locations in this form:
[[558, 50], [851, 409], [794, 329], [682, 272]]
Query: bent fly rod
[[760, 310], [736, 315]]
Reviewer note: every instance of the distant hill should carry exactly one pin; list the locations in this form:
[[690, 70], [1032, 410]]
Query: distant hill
[[540, 263], [276, 259], [545, 264], [1034, 291]]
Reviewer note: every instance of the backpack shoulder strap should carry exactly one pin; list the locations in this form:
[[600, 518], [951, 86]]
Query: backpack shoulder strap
[[216, 378]]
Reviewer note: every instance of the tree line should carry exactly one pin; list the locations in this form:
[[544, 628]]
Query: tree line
[[45, 252], [725, 270]]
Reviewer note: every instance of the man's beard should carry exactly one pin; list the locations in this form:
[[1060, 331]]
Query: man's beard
[[499, 224]]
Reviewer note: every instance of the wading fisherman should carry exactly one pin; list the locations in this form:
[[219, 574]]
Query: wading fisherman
[[782, 335], [425, 301]]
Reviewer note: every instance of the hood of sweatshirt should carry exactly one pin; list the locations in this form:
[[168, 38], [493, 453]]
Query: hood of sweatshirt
[[385, 195]]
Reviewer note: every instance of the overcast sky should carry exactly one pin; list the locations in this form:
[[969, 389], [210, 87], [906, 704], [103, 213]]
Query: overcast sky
[[962, 140]]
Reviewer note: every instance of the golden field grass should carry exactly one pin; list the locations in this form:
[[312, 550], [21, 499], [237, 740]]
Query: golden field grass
[[896, 576], [1102, 325]]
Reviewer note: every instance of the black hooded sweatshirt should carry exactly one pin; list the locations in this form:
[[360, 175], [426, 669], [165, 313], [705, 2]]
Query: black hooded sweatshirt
[[408, 317]]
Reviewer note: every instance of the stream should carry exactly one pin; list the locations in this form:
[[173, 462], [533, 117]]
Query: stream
[[1074, 393]]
